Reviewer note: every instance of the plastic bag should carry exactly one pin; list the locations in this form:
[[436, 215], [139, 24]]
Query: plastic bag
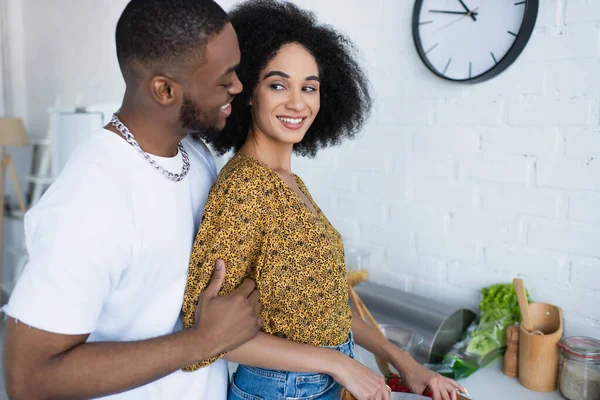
[[485, 339]]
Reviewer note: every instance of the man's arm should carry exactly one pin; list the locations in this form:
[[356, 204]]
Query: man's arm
[[44, 365]]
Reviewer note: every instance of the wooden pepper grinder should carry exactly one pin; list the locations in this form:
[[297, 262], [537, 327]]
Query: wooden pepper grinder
[[511, 357]]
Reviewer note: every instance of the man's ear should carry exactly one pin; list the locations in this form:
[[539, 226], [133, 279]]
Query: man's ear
[[164, 90]]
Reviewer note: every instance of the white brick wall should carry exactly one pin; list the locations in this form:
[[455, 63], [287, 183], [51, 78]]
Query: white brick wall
[[450, 186], [585, 272], [569, 174], [518, 201], [582, 143], [538, 111], [487, 182], [519, 140], [585, 207]]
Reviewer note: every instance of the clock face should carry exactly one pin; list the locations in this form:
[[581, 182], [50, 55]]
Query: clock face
[[472, 40]]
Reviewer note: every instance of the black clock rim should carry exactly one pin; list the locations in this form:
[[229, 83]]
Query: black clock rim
[[529, 19]]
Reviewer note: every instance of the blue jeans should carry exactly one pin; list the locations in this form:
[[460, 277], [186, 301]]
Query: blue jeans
[[251, 383]]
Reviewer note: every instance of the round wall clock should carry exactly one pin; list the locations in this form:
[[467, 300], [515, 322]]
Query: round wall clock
[[472, 40]]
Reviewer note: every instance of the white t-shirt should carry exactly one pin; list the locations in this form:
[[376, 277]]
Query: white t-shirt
[[109, 246]]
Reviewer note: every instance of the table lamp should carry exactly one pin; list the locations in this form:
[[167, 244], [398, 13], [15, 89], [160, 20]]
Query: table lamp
[[12, 133]]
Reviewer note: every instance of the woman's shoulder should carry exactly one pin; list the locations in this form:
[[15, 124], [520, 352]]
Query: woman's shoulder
[[243, 173]]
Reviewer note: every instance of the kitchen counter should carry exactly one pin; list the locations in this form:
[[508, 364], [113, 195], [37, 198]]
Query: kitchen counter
[[488, 383]]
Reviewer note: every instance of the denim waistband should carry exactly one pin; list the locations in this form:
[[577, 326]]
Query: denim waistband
[[347, 347]]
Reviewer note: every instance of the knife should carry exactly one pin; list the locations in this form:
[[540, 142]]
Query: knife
[[410, 396], [407, 396]]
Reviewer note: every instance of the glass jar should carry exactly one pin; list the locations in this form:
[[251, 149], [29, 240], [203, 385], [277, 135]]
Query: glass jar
[[580, 368]]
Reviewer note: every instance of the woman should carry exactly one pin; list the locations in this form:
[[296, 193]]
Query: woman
[[303, 91]]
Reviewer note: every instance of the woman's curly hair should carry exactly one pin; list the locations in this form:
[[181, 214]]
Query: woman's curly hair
[[263, 27]]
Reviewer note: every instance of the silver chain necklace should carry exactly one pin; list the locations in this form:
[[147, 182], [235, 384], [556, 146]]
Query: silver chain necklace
[[123, 130]]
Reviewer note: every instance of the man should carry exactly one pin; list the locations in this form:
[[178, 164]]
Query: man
[[96, 311]]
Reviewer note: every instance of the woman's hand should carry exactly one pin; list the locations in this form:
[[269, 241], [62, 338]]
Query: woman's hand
[[419, 379], [362, 382]]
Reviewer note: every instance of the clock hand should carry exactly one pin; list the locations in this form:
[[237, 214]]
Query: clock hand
[[453, 12], [455, 21], [467, 10]]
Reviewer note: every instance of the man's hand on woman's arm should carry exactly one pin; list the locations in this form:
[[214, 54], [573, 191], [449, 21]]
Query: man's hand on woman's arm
[[44, 365]]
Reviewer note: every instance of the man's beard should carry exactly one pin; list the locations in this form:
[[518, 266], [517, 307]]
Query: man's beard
[[190, 118]]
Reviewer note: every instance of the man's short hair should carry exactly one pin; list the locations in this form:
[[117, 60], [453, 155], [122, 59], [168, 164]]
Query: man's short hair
[[160, 32]]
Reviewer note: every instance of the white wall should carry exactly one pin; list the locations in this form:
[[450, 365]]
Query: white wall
[[13, 84], [70, 55], [451, 187]]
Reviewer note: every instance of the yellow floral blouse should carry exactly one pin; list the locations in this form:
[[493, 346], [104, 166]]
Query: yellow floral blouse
[[263, 230]]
